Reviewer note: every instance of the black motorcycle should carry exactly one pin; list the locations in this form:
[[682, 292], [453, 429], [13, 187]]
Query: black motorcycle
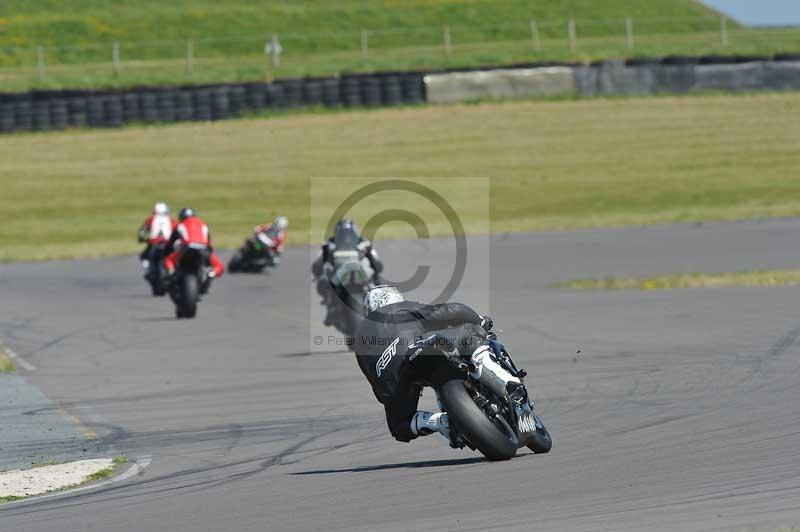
[[256, 254], [349, 283], [190, 279], [482, 415], [157, 272]]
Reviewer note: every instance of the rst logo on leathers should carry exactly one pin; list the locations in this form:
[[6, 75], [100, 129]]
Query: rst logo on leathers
[[386, 357]]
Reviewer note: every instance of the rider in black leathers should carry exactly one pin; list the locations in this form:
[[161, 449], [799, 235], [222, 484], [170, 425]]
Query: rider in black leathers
[[346, 229], [381, 344]]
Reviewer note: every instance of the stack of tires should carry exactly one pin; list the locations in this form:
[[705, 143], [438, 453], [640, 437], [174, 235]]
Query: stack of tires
[[41, 111]]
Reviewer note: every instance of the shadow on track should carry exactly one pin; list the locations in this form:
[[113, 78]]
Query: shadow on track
[[402, 465], [315, 353]]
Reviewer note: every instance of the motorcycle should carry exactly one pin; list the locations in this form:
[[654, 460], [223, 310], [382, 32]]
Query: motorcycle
[[156, 273], [350, 283], [257, 252], [482, 413], [190, 280]]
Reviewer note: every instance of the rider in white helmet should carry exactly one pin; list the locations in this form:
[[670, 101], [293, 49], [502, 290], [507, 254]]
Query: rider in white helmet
[[276, 233], [382, 339], [155, 230]]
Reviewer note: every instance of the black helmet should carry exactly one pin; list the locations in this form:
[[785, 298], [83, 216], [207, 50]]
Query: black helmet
[[346, 224], [186, 212]]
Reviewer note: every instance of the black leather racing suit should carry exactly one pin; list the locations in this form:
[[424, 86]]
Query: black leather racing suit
[[381, 344]]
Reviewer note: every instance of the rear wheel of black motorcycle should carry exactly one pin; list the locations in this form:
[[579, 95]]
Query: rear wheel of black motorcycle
[[189, 295], [540, 442], [470, 420], [235, 264]]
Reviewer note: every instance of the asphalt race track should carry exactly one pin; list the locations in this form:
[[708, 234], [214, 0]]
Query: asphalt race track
[[670, 410]]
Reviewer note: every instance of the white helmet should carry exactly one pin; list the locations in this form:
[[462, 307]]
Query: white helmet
[[160, 208], [281, 223], [382, 295]]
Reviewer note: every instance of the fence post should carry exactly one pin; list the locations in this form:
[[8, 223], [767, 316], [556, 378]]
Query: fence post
[[275, 51], [40, 62], [723, 29], [571, 33], [448, 49], [535, 35], [629, 32], [189, 56], [364, 43], [115, 57]]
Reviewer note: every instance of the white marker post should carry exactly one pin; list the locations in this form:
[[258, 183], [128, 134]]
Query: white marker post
[[723, 29], [572, 34], [189, 56], [535, 35], [115, 58], [448, 48], [273, 49], [40, 63], [364, 44], [629, 32]]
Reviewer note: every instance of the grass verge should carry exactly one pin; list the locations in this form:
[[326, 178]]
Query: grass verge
[[107, 472], [552, 165], [6, 365], [690, 280]]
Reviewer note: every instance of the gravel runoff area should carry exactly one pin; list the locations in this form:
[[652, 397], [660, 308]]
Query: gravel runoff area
[[27, 482]]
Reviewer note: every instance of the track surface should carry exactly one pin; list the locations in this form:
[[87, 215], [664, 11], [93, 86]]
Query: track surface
[[681, 411]]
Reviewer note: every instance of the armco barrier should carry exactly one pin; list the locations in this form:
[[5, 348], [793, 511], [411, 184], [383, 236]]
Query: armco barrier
[[671, 75], [49, 110]]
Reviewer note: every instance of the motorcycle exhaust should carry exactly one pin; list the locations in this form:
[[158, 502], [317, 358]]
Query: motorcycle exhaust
[[491, 373]]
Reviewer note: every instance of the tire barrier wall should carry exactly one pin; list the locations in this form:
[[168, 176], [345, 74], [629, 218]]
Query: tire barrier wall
[[52, 110], [668, 76]]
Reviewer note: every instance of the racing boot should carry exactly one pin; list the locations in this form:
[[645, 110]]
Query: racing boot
[[425, 423]]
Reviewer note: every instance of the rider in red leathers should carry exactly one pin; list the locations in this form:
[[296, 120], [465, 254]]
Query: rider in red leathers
[[275, 233], [191, 230]]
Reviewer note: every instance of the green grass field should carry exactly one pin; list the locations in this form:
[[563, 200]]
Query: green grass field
[[688, 280], [324, 37], [560, 164]]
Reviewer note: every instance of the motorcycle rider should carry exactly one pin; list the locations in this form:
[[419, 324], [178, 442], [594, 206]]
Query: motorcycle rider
[[276, 232], [156, 229], [346, 233], [382, 342], [192, 230]]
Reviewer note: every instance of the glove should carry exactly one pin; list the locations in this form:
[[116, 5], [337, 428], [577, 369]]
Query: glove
[[487, 323]]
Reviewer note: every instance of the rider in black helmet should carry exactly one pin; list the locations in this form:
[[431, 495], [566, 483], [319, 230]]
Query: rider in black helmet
[[345, 236]]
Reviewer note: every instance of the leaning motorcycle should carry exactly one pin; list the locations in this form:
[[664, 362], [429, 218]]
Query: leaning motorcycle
[[190, 279], [257, 252], [483, 414], [350, 283]]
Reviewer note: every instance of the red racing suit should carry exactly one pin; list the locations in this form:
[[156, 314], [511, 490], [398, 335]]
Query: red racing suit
[[278, 237], [192, 230]]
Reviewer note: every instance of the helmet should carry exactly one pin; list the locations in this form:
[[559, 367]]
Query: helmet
[[160, 208], [382, 295], [281, 223], [346, 224], [186, 212]]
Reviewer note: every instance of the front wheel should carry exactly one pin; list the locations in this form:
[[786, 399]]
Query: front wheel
[[540, 441], [466, 417]]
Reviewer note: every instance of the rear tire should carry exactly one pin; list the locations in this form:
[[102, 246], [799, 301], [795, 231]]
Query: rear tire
[[469, 419], [189, 295], [235, 264]]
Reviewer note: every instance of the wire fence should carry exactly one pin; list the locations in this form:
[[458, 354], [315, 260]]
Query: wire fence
[[275, 54]]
